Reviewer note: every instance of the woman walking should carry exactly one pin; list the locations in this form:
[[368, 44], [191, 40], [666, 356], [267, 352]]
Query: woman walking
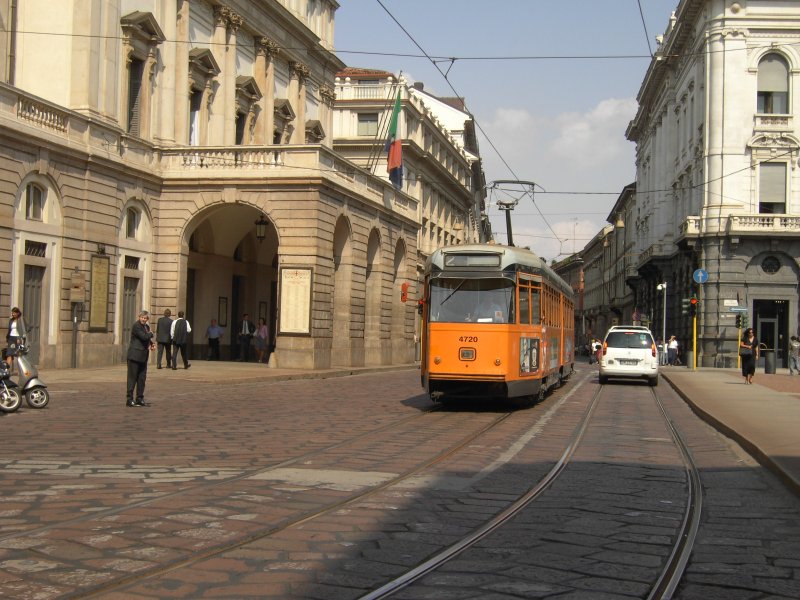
[[748, 351]]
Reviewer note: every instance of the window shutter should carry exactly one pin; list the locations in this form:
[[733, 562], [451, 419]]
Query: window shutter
[[773, 75], [135, 76], [772, 183]]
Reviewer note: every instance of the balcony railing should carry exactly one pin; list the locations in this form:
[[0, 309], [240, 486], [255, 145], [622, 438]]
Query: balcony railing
[[772, 123], [740, 225], [95, 137]]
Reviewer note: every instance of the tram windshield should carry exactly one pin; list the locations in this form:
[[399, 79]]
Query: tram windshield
[[455, 300]]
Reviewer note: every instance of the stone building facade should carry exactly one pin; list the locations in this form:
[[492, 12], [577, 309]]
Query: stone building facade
[[179, 155], [718, 183]]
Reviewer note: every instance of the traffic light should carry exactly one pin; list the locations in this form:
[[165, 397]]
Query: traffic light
[[693, 303], [744, 320], [738, 321], [685, 302]]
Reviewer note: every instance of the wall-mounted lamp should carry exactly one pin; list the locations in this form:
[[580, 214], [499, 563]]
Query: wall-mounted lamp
[[261, 228]]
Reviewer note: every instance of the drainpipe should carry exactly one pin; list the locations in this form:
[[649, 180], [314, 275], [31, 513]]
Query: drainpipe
[[12, 44]]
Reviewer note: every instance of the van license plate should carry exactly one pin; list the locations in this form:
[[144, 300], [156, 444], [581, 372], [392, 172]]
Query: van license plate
[[628, 362]]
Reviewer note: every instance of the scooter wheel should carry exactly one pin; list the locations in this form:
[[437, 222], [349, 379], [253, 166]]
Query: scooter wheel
[[9, 400], [37, 397]]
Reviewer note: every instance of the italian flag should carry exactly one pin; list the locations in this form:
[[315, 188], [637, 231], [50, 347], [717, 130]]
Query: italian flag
[[394, 146]]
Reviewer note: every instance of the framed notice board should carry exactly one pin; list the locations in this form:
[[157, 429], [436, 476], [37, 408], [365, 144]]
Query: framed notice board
[[99, 287], [295, 301]]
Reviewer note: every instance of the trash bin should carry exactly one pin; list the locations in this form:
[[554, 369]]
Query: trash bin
[[688, 356], [769, 360]]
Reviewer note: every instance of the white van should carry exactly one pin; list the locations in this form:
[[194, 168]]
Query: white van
[[630, 353]]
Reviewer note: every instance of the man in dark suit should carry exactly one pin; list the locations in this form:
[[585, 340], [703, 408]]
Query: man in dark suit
[[138, 352], [163, 328], [246, 330], [180, 336]]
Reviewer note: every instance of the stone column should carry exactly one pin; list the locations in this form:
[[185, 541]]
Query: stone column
[[297, 92], [229, 71], [266, 50], [216, 99], [182, 87], [328, 97]]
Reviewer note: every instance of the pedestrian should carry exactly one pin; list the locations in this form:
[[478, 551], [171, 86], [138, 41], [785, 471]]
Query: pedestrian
[[593, 351], [246, 330], [164, 338], [672, 350], [180, 336], [598, 351], [794, 355], [261, 338], [141, 344], [214, 335], [17, 331], [748, 351]]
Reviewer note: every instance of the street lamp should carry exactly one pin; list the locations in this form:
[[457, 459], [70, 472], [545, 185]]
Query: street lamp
[[663, 286], [261, 228]]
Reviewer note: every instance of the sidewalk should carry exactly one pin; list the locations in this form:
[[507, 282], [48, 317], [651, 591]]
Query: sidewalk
[[764, 418]]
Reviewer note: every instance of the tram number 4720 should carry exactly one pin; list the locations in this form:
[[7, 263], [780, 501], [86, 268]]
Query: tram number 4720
[[469, 338]]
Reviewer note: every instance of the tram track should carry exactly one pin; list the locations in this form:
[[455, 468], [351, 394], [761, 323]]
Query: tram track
[[669, 576], [121, 584]]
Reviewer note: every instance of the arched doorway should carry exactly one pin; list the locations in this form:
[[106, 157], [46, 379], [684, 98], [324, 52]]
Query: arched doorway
[[231, 270]]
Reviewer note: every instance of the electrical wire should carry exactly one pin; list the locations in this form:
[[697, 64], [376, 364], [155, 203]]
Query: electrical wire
[[474, 119], [644, 26]]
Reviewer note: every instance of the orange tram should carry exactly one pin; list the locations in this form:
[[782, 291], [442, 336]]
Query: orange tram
[[497, 322]]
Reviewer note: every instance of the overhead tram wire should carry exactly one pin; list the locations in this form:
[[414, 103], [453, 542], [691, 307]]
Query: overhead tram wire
[[644, 26], [475, 120]]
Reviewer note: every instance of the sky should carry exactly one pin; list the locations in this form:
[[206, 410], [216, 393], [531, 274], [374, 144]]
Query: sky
[[552, 85]]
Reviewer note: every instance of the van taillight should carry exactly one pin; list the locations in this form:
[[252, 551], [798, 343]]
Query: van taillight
[[605, 348], [653, 350]]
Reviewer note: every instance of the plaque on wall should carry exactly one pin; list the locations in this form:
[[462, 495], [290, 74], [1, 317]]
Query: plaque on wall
[[99, 284], [295, 301]]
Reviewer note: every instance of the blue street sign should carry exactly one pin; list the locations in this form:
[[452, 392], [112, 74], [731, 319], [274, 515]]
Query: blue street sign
[[700, 276], [741, 309]]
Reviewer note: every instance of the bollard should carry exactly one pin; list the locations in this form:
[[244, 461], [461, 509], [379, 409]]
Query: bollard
[[769, 360]]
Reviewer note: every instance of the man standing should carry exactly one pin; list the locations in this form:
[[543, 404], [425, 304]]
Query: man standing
[[214, 334], [138, 352], [672, 350], [794, 355], [180, 336], [163, 337], [246, 330]]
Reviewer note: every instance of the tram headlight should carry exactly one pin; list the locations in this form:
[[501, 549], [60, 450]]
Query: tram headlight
[[497, 361], [437, 360]]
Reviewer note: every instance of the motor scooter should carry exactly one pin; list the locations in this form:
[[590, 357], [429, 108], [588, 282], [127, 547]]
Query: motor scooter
[[29, 384], [10, 399]]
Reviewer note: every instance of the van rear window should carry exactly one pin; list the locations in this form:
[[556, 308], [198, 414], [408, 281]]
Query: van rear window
[[628, 339]]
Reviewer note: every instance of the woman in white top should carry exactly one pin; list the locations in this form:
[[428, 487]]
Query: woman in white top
[[16, 334]]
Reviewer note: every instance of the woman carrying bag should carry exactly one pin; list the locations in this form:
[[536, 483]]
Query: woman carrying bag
[[748, 351]]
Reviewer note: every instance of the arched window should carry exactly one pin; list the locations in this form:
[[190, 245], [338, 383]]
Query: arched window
[[131, 223], [34, 202], [773, 85]]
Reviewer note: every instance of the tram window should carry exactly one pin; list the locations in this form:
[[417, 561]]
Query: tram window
[[524, 306], [455, 300], [536, 310]]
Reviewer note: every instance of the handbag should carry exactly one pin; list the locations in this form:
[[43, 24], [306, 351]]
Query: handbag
[[745, 352]]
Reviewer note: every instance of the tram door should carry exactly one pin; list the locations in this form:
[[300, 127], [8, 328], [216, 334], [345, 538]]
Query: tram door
[[32, 308], [130, 312]]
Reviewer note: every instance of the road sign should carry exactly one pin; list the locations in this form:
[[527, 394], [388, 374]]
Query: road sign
[[742, 309], [700, 276]]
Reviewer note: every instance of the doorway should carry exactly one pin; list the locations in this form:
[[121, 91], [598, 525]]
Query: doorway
[[771, 324], [32, 309], [130, 312]]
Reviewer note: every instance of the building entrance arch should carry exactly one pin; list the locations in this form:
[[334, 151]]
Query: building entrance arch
[[231, 270]]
